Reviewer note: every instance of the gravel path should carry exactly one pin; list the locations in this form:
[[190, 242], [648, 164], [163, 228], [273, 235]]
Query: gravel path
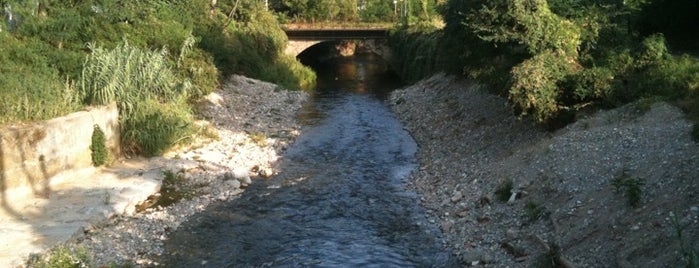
[[565, 198]]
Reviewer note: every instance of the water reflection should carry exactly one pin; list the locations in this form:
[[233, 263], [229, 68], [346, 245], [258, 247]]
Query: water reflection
[[338, 77]]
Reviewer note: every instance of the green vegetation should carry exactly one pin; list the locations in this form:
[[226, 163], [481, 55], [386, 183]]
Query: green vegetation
[[64, 257], [551, 58], [61, 257], [258, 138], [632, 188], [98, 147], [504, 190], [534, 211], [150, 97], [153, 58], [316, 11], [174, 189], [31, 89]]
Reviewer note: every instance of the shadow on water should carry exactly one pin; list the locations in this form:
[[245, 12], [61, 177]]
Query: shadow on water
[[339, 199]]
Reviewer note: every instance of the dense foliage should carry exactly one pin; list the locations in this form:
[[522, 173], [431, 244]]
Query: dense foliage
[[356, 10], [553, 58], [153, 58]]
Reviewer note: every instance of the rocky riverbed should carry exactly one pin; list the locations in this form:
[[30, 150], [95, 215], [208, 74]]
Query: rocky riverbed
[[571, 200], [611, 190]]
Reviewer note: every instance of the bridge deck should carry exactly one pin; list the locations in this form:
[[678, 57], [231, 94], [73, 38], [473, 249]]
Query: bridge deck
[[335, 34]]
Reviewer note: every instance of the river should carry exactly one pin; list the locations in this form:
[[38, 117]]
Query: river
[[340, 197]]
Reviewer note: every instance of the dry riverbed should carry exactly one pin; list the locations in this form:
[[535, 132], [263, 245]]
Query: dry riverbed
[[573, 188]]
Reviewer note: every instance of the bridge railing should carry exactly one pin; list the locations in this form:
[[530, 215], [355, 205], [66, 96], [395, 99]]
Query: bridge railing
[[337, 25]]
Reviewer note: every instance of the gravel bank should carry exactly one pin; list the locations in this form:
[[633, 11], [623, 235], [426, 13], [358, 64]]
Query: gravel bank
[[249, 124], [565, 198]]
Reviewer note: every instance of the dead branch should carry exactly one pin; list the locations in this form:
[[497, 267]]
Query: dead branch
[[231, 14]]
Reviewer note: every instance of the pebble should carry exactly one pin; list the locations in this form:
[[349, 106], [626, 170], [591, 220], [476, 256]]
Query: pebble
[[568, 172]]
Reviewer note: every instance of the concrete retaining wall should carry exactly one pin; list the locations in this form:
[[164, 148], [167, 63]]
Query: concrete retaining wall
[[31, 154]]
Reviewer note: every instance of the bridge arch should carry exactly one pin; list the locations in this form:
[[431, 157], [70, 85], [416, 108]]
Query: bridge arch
[[295, 47], [371, 39]]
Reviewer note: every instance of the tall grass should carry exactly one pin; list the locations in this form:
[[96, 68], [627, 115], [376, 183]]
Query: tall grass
[[152, 100]]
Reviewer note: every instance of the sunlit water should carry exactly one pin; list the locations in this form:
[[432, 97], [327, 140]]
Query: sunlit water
[[340, 198]]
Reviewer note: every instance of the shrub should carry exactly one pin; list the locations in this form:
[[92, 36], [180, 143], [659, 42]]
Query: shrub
[[535, 85], [534, 211], [98, 147], [198, 66], [153, 127], [252, 45], [61, 257], [673, 77], [653, 50], [632, 186], [29, 87], [504, 190], [593, 83], [415, 53], [151, 98]]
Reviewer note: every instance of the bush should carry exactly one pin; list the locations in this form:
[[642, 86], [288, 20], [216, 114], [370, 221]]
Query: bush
[[534, 211], [253, 46], [61, 257], [198, 66], [653, 50], [504, 190], [415, 53], [29, 87], [153, 127], [151, 98], [673, 77], [632, 186], [593, 83], [535, 85], [98, 147]]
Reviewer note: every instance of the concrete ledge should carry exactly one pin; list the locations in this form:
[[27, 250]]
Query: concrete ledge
[[31, 154]]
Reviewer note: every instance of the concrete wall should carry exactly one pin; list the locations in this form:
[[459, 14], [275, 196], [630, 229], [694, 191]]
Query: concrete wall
[[31, 154]]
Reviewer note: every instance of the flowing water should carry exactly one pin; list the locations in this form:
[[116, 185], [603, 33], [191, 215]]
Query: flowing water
[[340, 198]]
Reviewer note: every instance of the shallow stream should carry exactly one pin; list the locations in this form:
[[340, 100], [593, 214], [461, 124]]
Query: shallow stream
[[340, 198]]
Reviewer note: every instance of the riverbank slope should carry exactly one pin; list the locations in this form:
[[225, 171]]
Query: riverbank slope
[[247, 124], [611, 190]]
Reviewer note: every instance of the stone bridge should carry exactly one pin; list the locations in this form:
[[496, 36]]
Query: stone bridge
[[302, 39]]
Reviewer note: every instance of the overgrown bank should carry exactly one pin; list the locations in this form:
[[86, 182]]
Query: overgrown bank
[[615, 189], [554, 60], [154, 58]]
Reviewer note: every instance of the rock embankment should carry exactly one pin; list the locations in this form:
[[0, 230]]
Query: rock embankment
[[571, 189], [248, 123]]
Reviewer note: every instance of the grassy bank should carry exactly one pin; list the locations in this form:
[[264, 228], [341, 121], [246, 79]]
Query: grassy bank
[[153, 58]]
